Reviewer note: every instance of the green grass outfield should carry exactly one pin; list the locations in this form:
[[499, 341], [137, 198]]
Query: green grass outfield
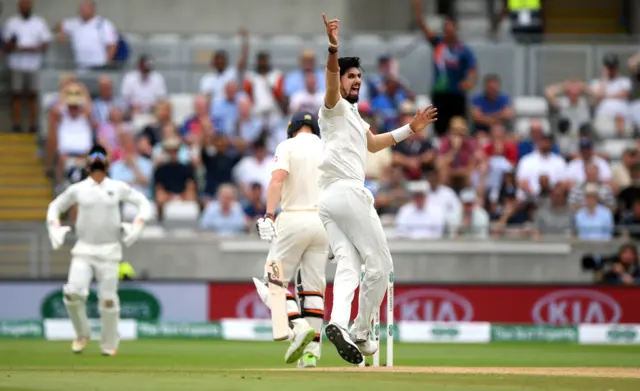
[[185, 365]]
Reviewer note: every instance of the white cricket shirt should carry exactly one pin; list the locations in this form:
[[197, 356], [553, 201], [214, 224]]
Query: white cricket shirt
[[300, 156], [98, 225], [344, 137]]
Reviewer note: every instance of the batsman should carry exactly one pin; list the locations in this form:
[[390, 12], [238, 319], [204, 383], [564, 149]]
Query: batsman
[[298, 243]]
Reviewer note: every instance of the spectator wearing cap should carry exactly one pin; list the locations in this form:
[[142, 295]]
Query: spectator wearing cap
[[594, 221], [577, 195], [256, 167], [570, 102], [265, 86], [392, 191], [621, 172], [629, 194], [199, 122], [26, 37], [543, 161], [254, 206], [416, 154], [294, 81], [419, 218], [458, 155], [224, 216], [576, 168], [612, 92], [442, 195], [133, 169], [213, 83], [225, 110], [553, 217], [218, 159], [473, 222], [142, 88], [634, 105], [491, 106], [391, 103], [173, 180], [310, 98], [93, 38], [376, 163]]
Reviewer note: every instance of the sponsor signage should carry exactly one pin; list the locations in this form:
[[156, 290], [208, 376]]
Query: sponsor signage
[[62, 329], [179, 330], [610, 334], [450, 332], [541, 305], [533, 333], [21, 329]]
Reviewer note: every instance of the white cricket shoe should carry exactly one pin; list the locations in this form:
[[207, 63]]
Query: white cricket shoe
[[347, 349], [79, 344], [367, 346], [301, 340], [108, 352]]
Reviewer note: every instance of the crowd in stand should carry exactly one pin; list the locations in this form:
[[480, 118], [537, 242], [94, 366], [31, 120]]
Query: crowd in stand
[[471, 175]]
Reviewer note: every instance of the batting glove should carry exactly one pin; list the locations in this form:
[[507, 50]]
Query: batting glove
[[57, 234], [266, 228]]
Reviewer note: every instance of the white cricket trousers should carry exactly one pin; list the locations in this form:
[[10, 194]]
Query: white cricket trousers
[[302, 246], [356, 237], [81, 272]]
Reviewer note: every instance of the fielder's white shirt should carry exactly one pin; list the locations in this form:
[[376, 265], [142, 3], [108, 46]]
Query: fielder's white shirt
[[300, 156], [98, 225], [344, 137], [143, 92], [535, 165], [90, 40], [575, 170], [29, 33]]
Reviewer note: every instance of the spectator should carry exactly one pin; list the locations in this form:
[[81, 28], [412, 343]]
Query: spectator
[[213, 83], [499, 140], [392, 191], [594, 221], [160, 154], [491, 106], [497, 166], [218, 159], [634, 106], [458, 156], [576, 168], [625, 270], [57, 99], [255, 206], [133, 169], [108, 132], [553, 217], [473, 222], [225, 110], [254, 168], [630, 221], [577, 196], [612, 92], [416, 154], [570, 102], [71, 129], [378, 162], [152, 133], [510, 213], [420, 218], [455, 71], [224, 216], [536, 135], [26, 37], [387, 69], [628, 195], [250, 126], [387, 104], [294, 81], [265, 86], [541, 162], [93, 38], [200, 122], [621, 173], [105, 101], [143, 88], [172, 179], [309, 99], [443, 196]]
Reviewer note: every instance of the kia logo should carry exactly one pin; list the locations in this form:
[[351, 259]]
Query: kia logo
[[575, 306], [433, 305], [251, 307]]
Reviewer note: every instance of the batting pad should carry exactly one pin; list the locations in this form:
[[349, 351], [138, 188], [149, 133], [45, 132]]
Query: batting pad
[[77, 310]]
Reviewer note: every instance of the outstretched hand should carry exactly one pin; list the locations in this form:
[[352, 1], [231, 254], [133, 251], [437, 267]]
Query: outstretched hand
[[332, 29], [424, 118]]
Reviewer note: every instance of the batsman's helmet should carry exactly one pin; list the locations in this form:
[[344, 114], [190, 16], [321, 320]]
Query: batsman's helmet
[[300, 119]]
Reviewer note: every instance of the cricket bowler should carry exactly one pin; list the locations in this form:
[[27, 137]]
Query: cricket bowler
[[98, 251]]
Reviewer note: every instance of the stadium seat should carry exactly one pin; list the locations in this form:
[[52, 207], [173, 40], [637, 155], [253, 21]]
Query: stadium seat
[[182, 107], [129, 212], [605, 127], [137, 46], [181, 211], [284, 50], [474, 29], [49, 80], [415, 65], [193, 81], [523, 125], [176, 81], [152, 231], [530, 106], [198, 49], [615, 148], [166, 49], [59, 56], [368, 47]]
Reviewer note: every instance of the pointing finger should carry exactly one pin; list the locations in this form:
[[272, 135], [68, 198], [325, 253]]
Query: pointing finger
[[324, 18]]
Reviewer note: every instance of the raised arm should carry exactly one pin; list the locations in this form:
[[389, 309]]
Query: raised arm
[[420, 121], [417, 12], [332, 72]]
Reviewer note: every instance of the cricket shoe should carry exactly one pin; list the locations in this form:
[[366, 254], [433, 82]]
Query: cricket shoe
[[367, 346], [308, 361], [109, 352], [301, 340], [79, 344], [346, 348]]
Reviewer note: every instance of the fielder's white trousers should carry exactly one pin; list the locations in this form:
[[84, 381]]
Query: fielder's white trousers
[[356, 237]]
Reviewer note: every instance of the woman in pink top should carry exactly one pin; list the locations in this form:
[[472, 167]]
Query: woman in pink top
[[108, 133]]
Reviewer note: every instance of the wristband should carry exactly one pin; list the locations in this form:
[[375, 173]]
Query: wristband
[[333, 49], [269, 216], [402, 133]]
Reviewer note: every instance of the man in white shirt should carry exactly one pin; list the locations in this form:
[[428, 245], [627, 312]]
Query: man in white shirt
[[346, 206], [540, 162], [98, 250], [265, 87], [420, 218], [443, 196], [213, 83], [143, 88], [254, 168], [300, 240], [576, 168], [612, 92], [473, 222], [93, 38], [26, 37], [310, 99]]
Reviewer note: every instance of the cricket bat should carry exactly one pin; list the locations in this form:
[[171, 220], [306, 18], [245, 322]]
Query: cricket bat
[[278, 301]]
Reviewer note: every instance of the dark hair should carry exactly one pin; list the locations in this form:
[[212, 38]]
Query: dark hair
[[451, 18], [98, 149], [221, 53], [491, 77], [261, 141], [346, 63]]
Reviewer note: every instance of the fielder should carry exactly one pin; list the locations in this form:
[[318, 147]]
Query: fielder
[[346, 206], [297, 237], [98, 251]]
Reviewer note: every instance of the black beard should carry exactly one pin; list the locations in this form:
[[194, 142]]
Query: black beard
[[26, 15], [97, 165], [352, 99]]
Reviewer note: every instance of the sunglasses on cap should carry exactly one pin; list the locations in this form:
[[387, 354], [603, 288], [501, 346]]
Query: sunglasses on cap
[[97, 155]]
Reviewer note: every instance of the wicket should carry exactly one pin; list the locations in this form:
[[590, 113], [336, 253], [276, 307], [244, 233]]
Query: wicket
[[376, 325]]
